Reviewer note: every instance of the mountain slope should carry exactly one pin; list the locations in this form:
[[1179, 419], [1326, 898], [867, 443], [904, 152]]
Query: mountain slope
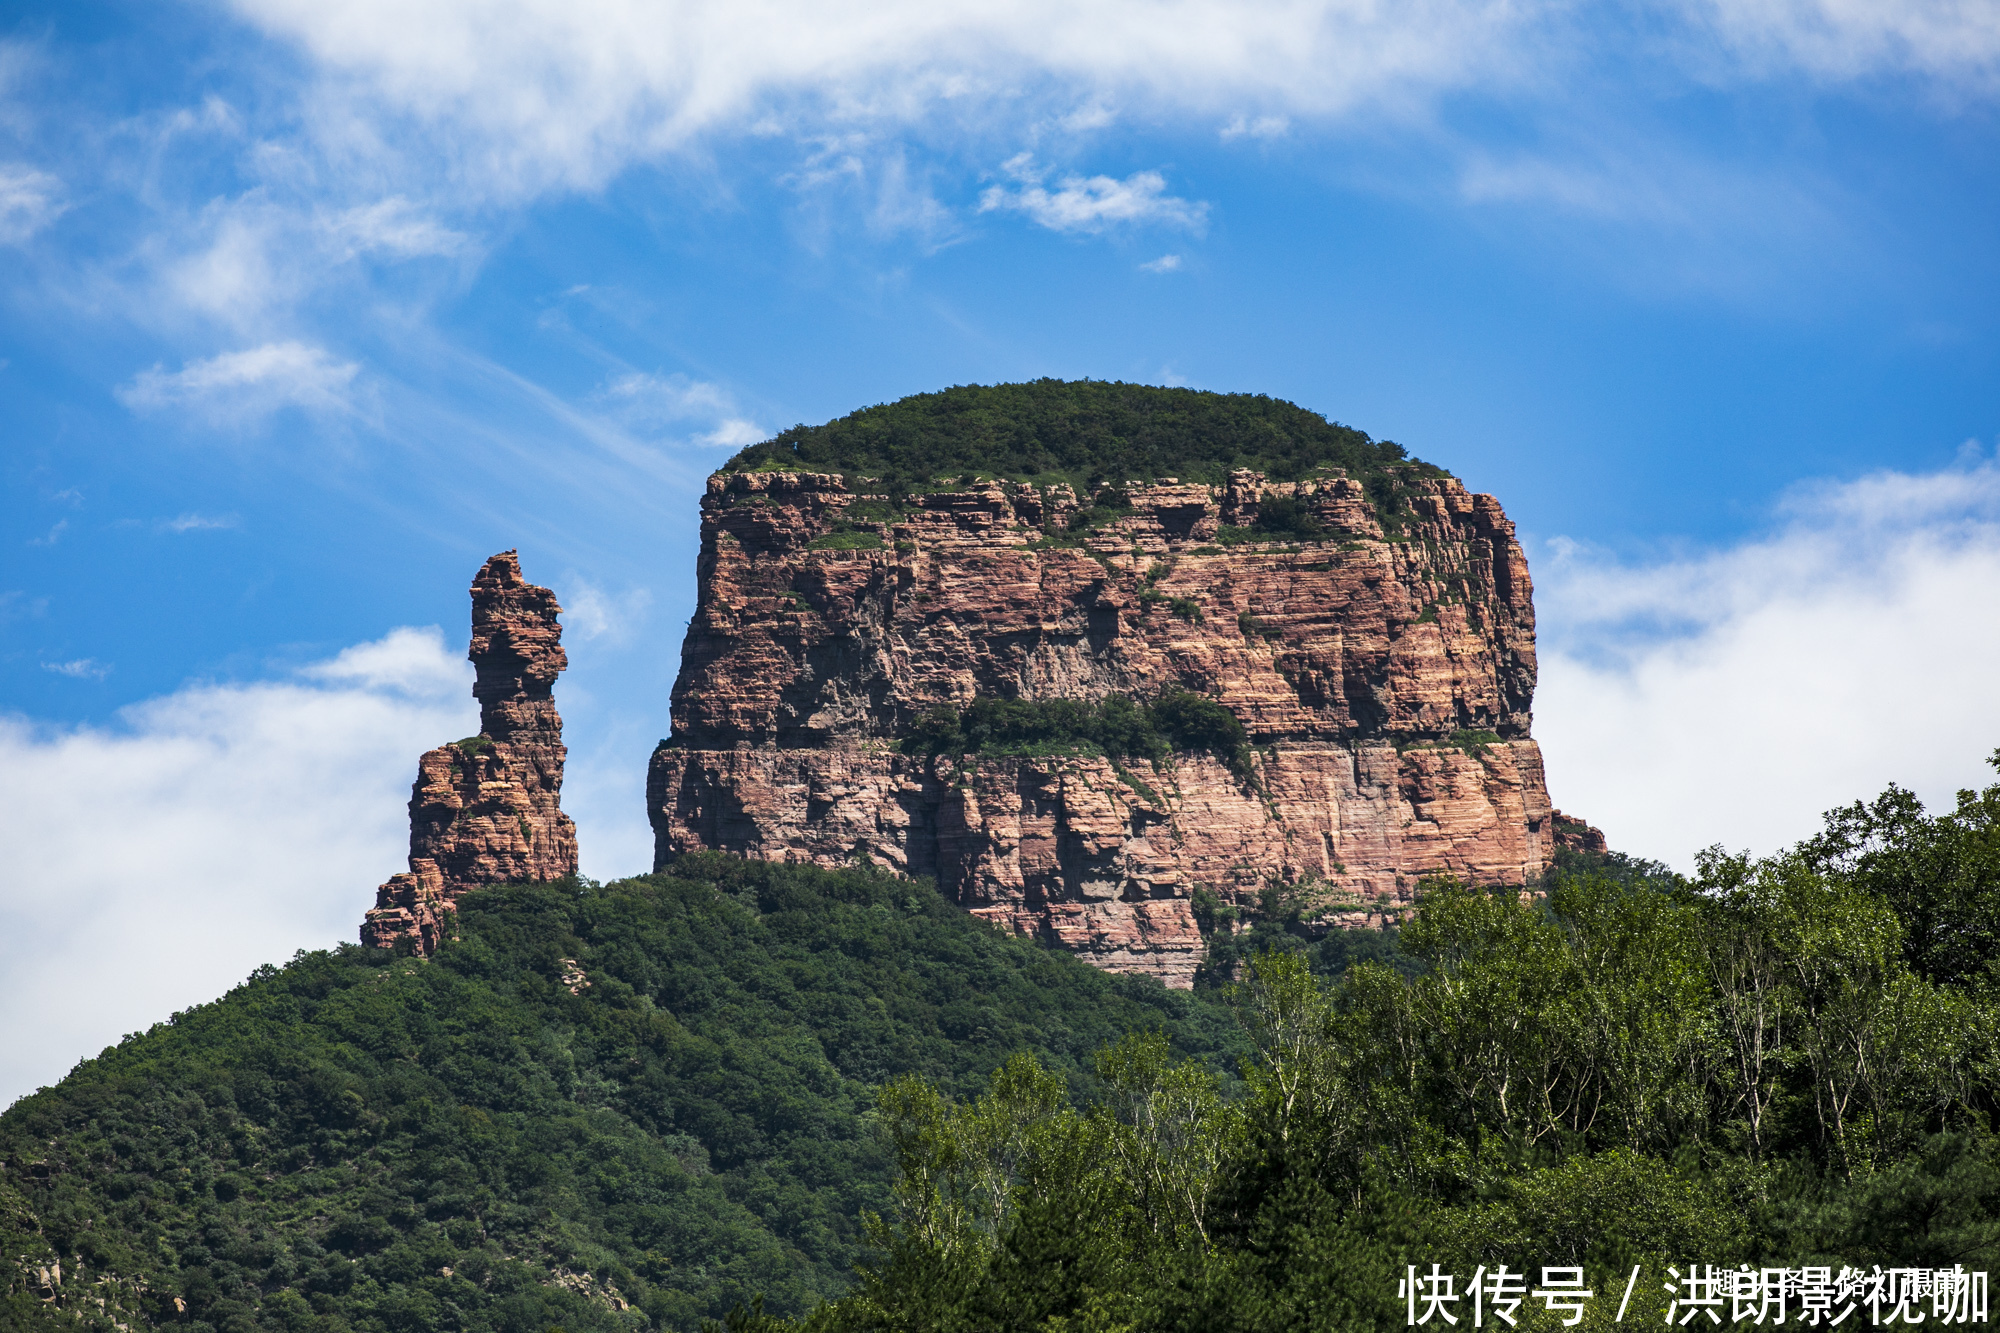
[[655, 1094]]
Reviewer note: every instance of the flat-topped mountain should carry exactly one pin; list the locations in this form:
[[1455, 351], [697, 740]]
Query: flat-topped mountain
[[1363, 622]]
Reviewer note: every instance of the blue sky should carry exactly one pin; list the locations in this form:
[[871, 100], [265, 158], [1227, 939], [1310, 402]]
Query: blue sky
[[310, 305]]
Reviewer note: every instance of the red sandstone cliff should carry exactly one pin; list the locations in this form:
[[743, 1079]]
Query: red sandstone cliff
[[488, 810], [1387, 675]]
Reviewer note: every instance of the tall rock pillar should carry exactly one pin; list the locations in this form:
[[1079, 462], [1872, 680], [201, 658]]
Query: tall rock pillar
[[488, 809]]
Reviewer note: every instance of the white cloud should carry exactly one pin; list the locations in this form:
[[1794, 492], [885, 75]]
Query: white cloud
[[29, 201], [657, 402], [409, 662], [82, 668], [1093, 203], [244, 266], [533, 94], [392, 227], [1956, 41], [1734, 695], [735, 433], [1092, 115], [537, 94], [247, 384], [246, 261], [589, 612], [659, 398], [1164, 264], [200, 523], [1258, 127], [154, 863], [842, 170]]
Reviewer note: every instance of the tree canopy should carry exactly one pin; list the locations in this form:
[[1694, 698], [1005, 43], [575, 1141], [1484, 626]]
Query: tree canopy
[[1084, 432], [1783, 1062], [657, 1092], [828, 1100]]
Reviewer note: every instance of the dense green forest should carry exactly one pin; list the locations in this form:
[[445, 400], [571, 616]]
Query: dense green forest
[[795, 1098], [1782, 1062], [1085, 433], [657, 1093]]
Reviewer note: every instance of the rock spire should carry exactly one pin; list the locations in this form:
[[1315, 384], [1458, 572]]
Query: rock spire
[[488, 809]]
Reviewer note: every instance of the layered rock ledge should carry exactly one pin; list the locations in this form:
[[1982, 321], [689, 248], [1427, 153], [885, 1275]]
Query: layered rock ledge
[[488, 809], [1385, 668]]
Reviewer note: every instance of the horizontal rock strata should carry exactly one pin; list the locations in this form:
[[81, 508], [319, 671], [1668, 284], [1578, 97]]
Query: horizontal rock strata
[[488, 809], [1386, 674]]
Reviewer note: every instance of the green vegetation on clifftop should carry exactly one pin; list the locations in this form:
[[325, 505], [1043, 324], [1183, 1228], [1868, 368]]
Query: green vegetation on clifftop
[[1084, 432]]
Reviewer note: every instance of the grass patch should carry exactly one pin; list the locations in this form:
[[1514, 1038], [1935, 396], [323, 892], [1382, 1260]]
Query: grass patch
[[1135, 782], [846, 541]]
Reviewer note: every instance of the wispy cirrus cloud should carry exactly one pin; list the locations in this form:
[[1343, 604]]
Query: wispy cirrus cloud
[[1092, 204], [247, 262], [79, 668], [29, 201], [200, 523], [659, 403], [1951, 41], [248, 384], [1255, 127], [591, 612], [393, 227]]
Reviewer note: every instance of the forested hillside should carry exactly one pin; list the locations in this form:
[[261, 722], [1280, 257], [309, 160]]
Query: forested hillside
[[830, 1100], [1785, 1063], [605, 1107]]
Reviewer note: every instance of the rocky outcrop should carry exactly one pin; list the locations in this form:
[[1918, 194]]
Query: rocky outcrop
[[488, 809], [1385, 668], [1571, 834]]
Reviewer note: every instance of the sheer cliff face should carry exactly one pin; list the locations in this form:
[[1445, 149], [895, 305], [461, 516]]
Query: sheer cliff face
[[1363, 666], [489, 810]]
